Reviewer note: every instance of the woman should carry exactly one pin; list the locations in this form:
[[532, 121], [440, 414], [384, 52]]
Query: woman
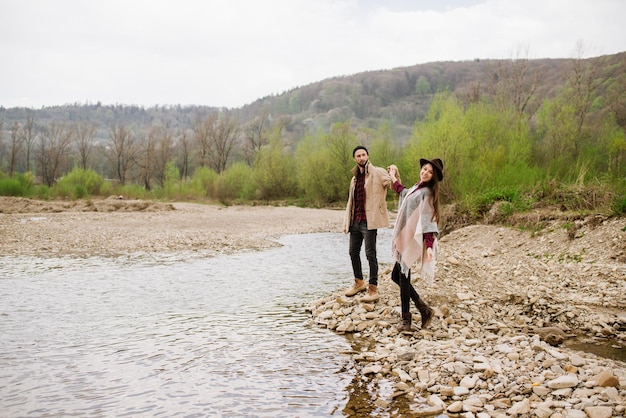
[[415, 236]]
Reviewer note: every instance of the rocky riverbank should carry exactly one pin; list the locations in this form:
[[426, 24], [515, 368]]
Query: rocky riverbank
[[508, 303]]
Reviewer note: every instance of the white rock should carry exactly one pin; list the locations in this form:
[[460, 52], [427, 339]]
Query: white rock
[[566, 381], [435, 400], [575, 413], [577, 360], [376, 368], [423, 376], [402, 387], [455, 407], [460, 391], [473, 404], [469, 381], [543, 411], [520, 408], [326, 314], [465, 296], [428, 412], [541, 391], [404, 376], [599, 412], [504, 348], [556, 354]]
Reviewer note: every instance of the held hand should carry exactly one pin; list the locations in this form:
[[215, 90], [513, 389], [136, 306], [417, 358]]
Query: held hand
[[393, 171]]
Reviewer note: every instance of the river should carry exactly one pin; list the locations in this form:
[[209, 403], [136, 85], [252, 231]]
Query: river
[[176, 336]]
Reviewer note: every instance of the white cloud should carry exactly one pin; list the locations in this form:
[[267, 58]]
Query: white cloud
[[220, 53]]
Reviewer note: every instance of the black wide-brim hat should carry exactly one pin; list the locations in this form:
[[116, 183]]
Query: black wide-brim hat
[[437, 166]]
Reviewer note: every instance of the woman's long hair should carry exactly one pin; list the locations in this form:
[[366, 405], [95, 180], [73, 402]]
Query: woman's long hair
[[433, 185]]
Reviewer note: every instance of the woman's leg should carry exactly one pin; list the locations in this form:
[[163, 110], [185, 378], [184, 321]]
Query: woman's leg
[[405, 286], [408, 292], [405, 297]]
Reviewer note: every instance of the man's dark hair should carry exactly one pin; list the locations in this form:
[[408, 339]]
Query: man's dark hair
[[358, 147]]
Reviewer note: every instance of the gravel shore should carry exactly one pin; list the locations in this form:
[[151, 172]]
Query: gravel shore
[[507, 304]]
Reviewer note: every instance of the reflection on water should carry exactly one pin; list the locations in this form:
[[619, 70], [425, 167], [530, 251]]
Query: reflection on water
[[608, 349], [138, 336]]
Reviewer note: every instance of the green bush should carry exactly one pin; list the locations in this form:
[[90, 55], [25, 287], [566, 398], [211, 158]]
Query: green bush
[[27, 180], [19, 185], [79, 184], [619, 205], [202, 183], [274, 173], [236, 182], [11, 187], [106, 189], [42, 192]]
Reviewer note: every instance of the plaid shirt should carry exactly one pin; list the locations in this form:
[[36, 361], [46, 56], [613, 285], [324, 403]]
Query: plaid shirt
[[359, 197]]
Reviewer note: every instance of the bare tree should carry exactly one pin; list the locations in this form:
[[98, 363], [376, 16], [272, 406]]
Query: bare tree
[[53, 153], [256, 134], [515, 85], [583, 82], [15, 147], [202, 129], [184, 146], [163, 155], [29, 137], [145, 157], [85, 132], [214, 137], [123, 152], [223, 138]]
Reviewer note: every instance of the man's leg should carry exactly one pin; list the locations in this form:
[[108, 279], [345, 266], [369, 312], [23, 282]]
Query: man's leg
[[356, 241], [370, 253]]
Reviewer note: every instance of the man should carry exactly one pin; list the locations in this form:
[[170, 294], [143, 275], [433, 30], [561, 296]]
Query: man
[[366, 211]]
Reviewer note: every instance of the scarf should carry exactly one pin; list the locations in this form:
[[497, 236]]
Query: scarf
[[414, 219]]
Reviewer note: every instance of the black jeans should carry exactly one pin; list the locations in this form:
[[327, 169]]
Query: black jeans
[[358, 234], [407, 291]]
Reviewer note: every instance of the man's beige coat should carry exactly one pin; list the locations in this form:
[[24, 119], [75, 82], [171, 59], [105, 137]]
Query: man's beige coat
[[377, 182]]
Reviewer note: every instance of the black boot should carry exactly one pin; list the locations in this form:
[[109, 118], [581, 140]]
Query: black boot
[[405, 325], [425, 311]]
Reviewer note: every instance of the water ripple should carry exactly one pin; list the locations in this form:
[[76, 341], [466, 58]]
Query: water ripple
[[137, 337]]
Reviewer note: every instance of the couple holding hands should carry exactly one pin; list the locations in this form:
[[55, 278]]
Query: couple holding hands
[[415, 234]]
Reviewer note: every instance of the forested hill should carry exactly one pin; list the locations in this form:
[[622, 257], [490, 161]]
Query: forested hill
[[398, 96]]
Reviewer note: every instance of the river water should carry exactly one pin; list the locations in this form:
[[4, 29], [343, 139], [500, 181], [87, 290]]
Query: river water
[[139, 336]]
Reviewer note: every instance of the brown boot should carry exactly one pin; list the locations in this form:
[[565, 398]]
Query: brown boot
[[405, 325], [372, 294], [358, 286], [425, 311]]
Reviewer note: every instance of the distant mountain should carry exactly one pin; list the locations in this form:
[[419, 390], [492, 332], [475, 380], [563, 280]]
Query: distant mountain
[[401, 96]]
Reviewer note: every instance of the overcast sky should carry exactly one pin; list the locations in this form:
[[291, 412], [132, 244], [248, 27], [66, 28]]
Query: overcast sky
[[232, 52]]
